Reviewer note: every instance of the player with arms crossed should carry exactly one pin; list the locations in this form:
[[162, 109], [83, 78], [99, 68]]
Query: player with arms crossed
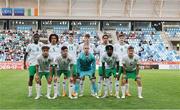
[[72, 50], [54, 51], [44, 68], [121, 49], [131, 70], [101, 49], [32, 51]]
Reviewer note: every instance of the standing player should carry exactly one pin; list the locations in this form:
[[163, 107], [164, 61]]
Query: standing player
[[91, 50], [131, 70], [101, 50], [54, 51], [72, 50], [44, 68], [110, 66], [86, 66], [33, 50], [121, 49]]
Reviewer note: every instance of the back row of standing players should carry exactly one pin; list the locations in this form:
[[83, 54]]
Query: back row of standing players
[[77, 61]]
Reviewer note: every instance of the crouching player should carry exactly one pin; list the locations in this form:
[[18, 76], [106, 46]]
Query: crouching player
[[110, 66], [65, 66], [44, 68], [131, 70], [86, 66]]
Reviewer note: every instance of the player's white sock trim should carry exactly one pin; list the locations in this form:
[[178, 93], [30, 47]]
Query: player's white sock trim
[[58, 88], [29, 91], [70, 89], [64, 85], [81, 87], [110, 85], [48, 91], [55, 90], [127, 87], [140, 92], [117, 88], [37, 91], [100, 84], [123, 91], [106, 82]]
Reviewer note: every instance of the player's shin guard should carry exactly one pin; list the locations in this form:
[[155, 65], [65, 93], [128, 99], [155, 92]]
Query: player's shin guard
[[123, 91], [110, 86], [81, 87], [106, 83], [140, 92], [37, 91], [64, 87], [117, 88], [29, 91], [77, 86], [94, 87], [58, 88], [55, 90], [127, 88], [100, 85], [48, 91], [70, 89]]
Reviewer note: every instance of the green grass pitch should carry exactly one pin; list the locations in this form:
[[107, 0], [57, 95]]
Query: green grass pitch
[[161, 90]]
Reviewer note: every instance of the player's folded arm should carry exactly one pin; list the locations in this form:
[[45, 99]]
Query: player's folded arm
[[117, 67], [71, 69]]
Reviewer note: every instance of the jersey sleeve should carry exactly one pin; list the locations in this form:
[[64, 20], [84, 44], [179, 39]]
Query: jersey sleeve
[[28, 49], [71, 60], [117, 58], [52, 62], [137, 59], [93, 66], [103, 59], [78, 64], [115, 48], [123, 60], [56, 60]]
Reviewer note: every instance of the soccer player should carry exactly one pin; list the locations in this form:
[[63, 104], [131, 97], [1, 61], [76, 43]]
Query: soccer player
[[65, 66], [131, 70], [86, 41], [121, 49], [101, 50], [110, 66], [54, 51], [72, 50], [44, 68], [91, 50], [86, 66], [32, 51]]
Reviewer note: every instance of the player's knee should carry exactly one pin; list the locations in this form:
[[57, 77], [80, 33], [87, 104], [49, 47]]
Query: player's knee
[[93, 80], [78, 80], [138, 79]]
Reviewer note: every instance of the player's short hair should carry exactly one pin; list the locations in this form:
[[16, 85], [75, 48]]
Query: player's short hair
[[121, 35], [71, 34], [130, 47], [55, 36], [36, 35], [105, 35], [87, 35], [45, 47], [64, 47], [109, 47]]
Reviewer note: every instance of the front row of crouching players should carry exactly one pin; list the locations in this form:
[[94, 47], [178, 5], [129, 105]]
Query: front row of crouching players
[[86, 66]]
